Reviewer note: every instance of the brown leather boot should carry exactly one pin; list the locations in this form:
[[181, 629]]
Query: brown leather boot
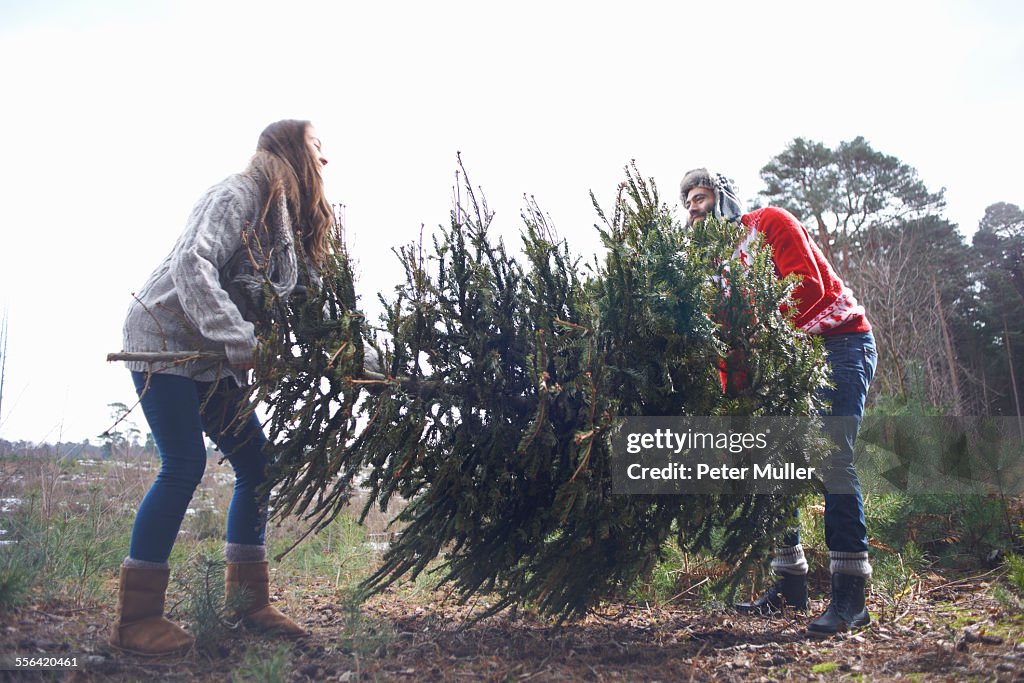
[[141, 627], [254, 579]]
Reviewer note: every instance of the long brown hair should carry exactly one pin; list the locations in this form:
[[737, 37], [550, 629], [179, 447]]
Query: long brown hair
[[283, 164]]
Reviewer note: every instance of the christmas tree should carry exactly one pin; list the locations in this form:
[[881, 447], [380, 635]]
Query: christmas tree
[[503, 378]]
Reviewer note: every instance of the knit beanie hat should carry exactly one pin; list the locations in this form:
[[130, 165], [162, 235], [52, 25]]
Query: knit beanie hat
[[727, 207]]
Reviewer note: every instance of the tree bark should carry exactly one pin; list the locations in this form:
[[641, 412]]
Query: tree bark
[[951, 359]]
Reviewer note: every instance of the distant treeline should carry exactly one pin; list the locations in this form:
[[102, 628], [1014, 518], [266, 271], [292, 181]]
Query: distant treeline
[[84, 449]]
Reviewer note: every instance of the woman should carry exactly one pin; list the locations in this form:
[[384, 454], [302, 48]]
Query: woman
[[244, 231]]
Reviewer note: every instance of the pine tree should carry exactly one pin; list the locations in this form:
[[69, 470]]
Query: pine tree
[[504, 378]]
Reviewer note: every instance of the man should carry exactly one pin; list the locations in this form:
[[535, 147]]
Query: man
[[825, 307]]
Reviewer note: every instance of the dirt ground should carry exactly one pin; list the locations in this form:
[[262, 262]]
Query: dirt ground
[[948, 631], [943, 627]]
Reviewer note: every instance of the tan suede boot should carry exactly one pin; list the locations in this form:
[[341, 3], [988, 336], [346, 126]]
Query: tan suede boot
[[253, 578], [141, 627]]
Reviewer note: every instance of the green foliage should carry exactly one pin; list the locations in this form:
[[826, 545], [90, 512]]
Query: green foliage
[[812, 528], [1007, 599], [715, 597], [503, 382], [17, 575], [910, 403], [886, 516], [1012, 598], [259, 665], [311, 349], [948, 528], [61, 551], [662, 584], [203, 608], [360, 635], [894, 577], [1015, 573], [338, 551], [959, 529]]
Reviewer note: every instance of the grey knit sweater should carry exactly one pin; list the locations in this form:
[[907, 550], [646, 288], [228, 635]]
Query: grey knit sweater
[[195, 298]]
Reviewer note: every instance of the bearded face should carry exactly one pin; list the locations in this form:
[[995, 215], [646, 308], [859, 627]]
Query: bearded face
[[699, 202]]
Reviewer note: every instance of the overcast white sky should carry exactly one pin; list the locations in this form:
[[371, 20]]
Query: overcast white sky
[[116, 116]]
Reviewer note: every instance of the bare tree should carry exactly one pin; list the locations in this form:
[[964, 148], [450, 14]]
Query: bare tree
[[914, 279]]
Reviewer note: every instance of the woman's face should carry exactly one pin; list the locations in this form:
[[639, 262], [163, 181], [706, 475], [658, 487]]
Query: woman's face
[[313, 145]]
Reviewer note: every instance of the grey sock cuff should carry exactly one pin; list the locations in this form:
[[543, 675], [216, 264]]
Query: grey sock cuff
[[239, 552], [790, 560], [854, 564], [143, 564]]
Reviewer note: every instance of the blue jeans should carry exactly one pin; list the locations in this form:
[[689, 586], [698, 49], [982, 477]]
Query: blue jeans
[[179, 410], [852, 359]]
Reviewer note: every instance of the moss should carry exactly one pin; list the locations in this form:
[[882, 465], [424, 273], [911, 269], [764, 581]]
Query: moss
[[958, 617], [1010, 629]]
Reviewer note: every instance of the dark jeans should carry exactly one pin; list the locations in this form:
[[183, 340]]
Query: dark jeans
[[179, 410], [852, 359]]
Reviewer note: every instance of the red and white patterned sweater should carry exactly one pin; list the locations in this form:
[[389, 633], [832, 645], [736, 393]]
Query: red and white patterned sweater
[[825, 305]]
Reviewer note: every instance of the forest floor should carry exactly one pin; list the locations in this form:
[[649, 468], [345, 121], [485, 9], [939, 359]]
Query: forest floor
[[68, 523], [953, 632]]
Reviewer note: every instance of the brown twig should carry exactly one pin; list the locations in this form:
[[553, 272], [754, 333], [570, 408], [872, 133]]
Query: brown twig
[[426, 389], [334, 358], [128, 412], [951, 584], [158, 356]]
